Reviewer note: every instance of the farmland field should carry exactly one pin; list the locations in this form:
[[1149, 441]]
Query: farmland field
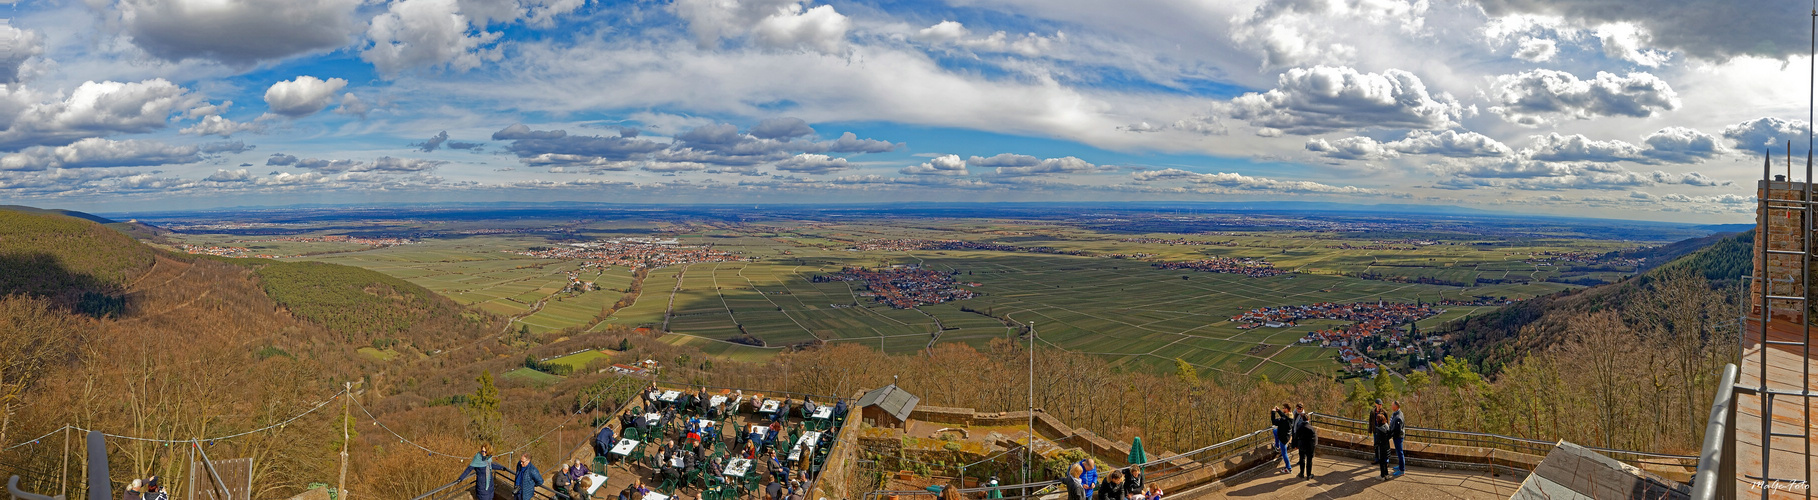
[[1082, 286]]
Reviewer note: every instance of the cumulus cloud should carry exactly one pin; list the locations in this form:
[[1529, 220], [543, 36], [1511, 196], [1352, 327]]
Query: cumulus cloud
[[777, 24], [942, 165], [92, 109], [851, 143], [1555, 147], [1247, 183], [815, 164], [352, 105], [303, 96], [96, 153], [1290, 32], [1531, 98], [1020, 165], [1536, 49], [557, 148], [385, 164], [1766, 132], [781, 128], [1351, 148], [426, 34], [1322, 99], [1449, 143], [229, 176], [281, 160], [216, 125], [17, 46], [238, 32], [1709, 29], [1625, 41], [1681, 145]]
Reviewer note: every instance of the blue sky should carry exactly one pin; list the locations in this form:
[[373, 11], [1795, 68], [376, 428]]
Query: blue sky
[[1642, 109]]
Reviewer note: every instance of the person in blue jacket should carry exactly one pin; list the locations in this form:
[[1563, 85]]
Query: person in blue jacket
[[482, 467], [1088, 478], [602, 443], [528, 478]]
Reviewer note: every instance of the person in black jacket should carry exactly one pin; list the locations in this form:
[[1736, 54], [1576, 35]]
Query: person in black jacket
[[1133, 481], [1112, 488], [1283, 420], [1396, 432], [1305, 439], [1379, 435], [1075, 491]]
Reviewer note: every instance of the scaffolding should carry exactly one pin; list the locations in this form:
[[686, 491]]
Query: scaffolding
[[1779, 330]]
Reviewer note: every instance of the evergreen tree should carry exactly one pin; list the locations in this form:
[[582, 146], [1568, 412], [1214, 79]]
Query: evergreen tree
[[1385, 388], [483, 410]]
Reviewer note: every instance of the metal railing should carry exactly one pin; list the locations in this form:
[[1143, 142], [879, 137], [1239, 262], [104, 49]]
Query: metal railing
[[1716, 475], [1507, 443], [1154, 470]]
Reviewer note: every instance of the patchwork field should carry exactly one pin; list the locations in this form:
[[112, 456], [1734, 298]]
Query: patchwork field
[[1082, 289]]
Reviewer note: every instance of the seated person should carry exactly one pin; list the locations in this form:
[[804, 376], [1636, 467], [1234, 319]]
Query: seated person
[[839, 409]]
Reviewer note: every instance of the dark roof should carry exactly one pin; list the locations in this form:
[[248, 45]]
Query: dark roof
[[894, 400], [1573, 472]]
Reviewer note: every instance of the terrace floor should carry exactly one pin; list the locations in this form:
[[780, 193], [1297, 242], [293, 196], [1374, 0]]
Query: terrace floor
[[1784, 371], [1345, 477]]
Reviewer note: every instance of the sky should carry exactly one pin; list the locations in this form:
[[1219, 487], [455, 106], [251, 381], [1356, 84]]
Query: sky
[[1632, 109]]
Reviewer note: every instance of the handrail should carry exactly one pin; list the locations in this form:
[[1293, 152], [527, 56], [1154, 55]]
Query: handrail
[[1534, 445], [1709, 479], [1172, 463]]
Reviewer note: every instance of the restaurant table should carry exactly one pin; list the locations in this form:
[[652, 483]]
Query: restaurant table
[[624, 447]]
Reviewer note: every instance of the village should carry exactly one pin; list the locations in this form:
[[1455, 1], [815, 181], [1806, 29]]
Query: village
[[231, 252], [1255, 268], [903, 287], [372, 242], [633, 253]]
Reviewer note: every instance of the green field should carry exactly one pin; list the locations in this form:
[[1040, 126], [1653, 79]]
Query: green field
[[580, 360], [1120, 308]]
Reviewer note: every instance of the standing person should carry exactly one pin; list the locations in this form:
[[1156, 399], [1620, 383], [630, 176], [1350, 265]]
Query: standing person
[[1283, 420], [1379, 433], [481, 468], [133, 490], [1088, 477], [602, 443], [528, 479], [581, 487], [1075, 490], [1305, 439], [774, 490], [154, 490], [1133, 481], [1397, 431]]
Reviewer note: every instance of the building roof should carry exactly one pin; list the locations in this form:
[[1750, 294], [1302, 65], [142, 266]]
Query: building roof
[[892, 399], [1573, 472]]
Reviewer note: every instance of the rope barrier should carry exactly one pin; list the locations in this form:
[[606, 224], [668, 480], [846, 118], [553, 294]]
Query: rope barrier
[[318, 406], [401, 438]]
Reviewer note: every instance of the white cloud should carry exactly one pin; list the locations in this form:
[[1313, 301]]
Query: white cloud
[[1351, 148], [385, 164], [1248, 183], [954, 34], [810, 163], [1449, 143], [1624, 41], [1681, 145], [1709, 29], [229, 176], [1536, 49], [1766, 132], [426, 34], [17, 46], [777, 24], [781, 128], [93, 109], [302, 96], [352, 105], [1017, 166], [1294, 32], [239, 32], [941, 165], [1554, 147], [1530, 98], [216, 125], [97, 152], [1324, 98]]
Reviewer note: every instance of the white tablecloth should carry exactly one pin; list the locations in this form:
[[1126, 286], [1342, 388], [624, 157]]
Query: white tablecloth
[[598, 481], [769, 406], [738, 467], [823, 413], [624, 447], [716, 400], [669, 396]]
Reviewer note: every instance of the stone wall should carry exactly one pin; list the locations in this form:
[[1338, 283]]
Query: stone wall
[[1114, 453], [1784, 230]]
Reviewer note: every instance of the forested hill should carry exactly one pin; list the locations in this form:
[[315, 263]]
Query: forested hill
[[1493, 340], [75, 264]]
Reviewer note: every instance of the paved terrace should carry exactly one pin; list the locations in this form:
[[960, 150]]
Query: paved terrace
[[1344, 477]]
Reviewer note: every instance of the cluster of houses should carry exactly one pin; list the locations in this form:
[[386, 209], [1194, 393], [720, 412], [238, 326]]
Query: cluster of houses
[[633, 253], [372, 242], [1255, 268], [234, 252], [904, 287], [1369, 320]]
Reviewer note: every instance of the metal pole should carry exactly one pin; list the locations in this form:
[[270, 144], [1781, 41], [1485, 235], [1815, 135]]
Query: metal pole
[[1766, 398], [341, 484], [63, 480], [1031, 429]]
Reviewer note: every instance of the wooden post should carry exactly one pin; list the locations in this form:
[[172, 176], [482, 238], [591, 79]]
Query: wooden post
[[341, 484]]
